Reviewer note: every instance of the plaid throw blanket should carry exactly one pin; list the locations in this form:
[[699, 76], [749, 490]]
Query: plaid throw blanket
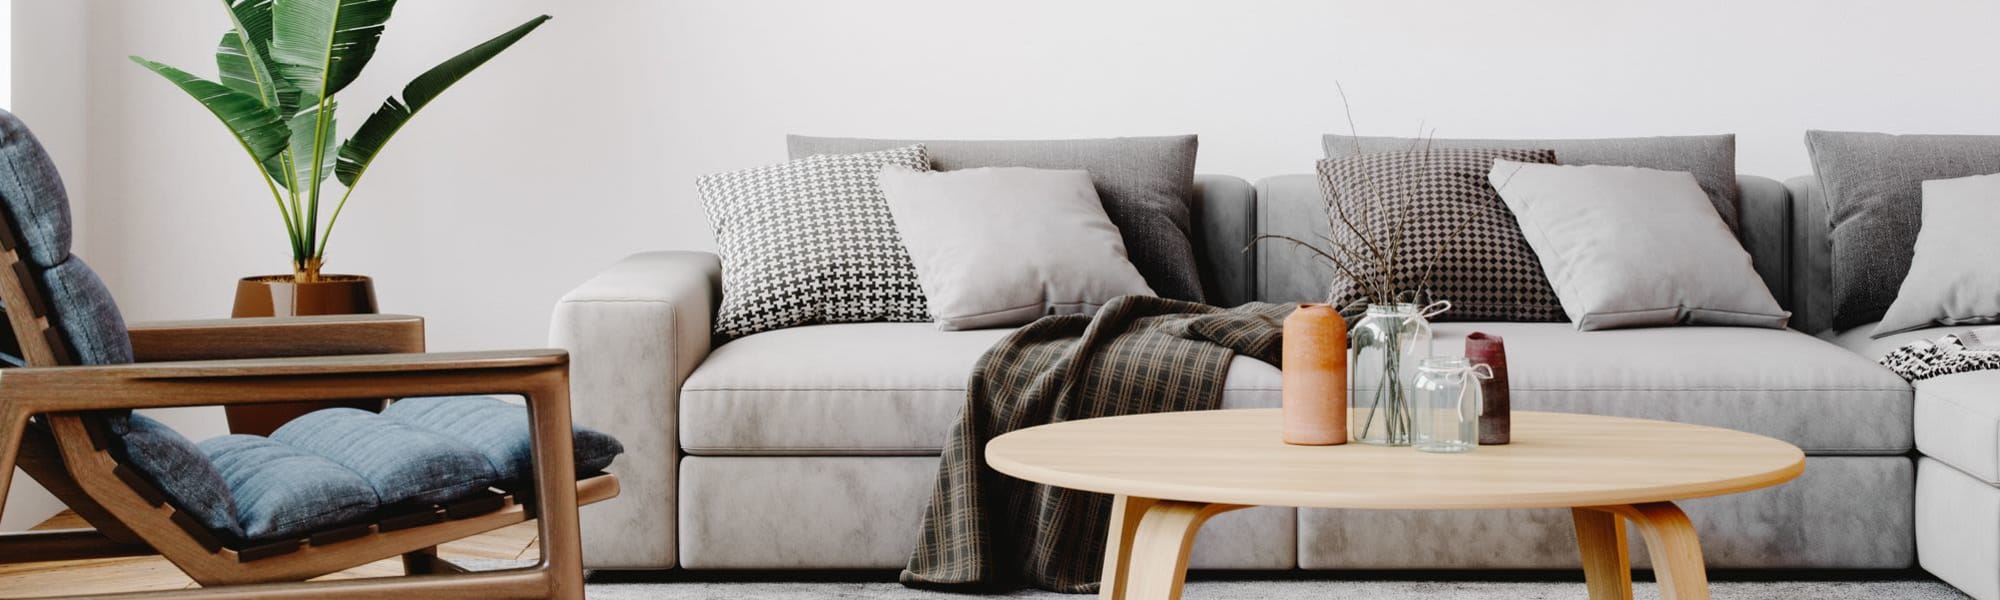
[[988, 531]]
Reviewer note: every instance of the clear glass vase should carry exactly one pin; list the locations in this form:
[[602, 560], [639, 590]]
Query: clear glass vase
[[1445, 398], [1385, 347]]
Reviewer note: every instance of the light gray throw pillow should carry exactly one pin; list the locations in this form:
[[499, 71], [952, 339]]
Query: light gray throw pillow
[[1953, 280], [997, 247], [1873, 184], [1146, 183], [1711, 158], [1634, 247]]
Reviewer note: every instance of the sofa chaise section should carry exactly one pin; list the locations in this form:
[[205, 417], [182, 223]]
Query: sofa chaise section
[[1957, 427]]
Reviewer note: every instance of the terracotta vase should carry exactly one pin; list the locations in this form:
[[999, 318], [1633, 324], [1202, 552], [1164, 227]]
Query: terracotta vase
[[1315, 376], [282, 296]]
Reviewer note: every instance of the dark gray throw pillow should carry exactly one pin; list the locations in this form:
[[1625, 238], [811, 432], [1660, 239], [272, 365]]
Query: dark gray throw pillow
[[1146, 183], [1459, 241], [1873, 186], [1711, 158]]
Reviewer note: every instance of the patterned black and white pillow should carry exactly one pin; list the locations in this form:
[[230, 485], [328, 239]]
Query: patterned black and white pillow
[[811, 241], [1459, 241]]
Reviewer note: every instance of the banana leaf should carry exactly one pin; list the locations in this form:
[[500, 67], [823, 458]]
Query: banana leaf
[[247, 67], [259, 128], [360, 150], [300, 155], [320, 46]]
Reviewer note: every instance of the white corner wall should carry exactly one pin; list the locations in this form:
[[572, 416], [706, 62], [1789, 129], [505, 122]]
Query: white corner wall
[[580, 145], [48, 55]]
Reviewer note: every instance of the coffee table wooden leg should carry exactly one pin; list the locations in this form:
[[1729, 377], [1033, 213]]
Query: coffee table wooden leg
[[1125, 514], [1607, 559], [1146, 556], [1670, 540], [1676, 552]]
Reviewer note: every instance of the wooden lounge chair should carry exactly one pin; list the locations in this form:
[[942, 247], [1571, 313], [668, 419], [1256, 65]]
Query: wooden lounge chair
[[65, 419]]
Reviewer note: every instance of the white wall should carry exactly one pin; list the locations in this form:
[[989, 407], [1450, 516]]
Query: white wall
[[44, 34], [580, 145]]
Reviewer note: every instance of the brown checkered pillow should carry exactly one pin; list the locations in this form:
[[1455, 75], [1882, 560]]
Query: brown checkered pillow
[[1439, 199]]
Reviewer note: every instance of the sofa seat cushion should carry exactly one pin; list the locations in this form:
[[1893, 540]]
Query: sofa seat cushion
[[858, 389], [1780, 383], [1957, 416]]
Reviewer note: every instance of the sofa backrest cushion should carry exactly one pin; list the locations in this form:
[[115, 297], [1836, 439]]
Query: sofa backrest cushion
[[1711, 158], [1872, 187], [1146, 183], [1293, 205]]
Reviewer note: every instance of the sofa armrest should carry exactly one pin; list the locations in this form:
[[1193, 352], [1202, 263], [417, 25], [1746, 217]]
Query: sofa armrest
[[634, 332], [1812, 256], [1225, 221], [1765, 221]]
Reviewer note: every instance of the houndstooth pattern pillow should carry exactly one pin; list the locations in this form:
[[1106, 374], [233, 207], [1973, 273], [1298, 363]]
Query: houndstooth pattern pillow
[[811, 241], [1460, 243]]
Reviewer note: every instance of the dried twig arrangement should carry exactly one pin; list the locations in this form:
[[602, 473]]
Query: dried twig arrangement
[[1372, 264]]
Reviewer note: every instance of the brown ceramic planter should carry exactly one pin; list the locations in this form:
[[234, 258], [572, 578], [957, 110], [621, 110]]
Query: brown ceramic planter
[[280, 296]]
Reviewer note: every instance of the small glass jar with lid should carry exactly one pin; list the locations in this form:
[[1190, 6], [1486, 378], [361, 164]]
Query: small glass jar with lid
[[1445, 404]]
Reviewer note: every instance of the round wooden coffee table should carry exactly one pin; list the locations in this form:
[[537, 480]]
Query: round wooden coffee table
[[1170, 472]]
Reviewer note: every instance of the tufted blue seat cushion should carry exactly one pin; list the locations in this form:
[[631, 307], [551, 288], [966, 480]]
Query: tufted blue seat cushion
[[499, 430], [284, 491], [180, 470], [403, 462], [340, 466]]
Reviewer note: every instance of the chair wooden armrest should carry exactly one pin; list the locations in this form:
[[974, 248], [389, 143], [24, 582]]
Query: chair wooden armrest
[[38, 390], [272, 337]]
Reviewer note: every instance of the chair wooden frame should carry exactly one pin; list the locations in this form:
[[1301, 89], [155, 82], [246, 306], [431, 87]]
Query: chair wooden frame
[[47, 428]]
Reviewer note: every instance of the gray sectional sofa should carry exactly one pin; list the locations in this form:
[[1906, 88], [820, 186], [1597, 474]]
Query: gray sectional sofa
[[816, 447]]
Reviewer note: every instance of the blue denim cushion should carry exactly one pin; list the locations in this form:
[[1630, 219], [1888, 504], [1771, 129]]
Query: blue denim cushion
[[403, 462], [33, 195], [283, 491], [179, 469], [499, 429], [86, 315]]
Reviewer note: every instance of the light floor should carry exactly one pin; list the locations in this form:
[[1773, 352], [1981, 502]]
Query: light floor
[[517, 542], [149, 573]]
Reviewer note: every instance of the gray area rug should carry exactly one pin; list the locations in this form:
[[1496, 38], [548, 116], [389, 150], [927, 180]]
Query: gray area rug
[[680, 585], [1293, 589]]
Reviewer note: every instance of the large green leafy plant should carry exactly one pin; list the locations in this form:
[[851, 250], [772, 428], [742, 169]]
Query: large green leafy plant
[[281, 63]]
